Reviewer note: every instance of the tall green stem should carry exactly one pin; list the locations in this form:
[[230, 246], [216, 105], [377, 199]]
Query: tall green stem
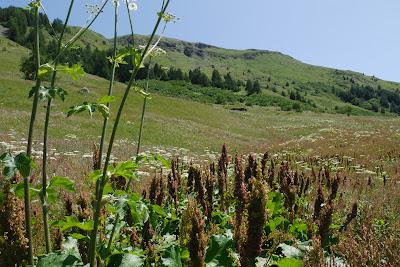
[[45, 140], [96, 217], [30, 138], [143, 111], [111, 85], [130, 23], [128, 186]]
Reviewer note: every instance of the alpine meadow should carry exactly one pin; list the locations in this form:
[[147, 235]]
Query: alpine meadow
[[143, 150]]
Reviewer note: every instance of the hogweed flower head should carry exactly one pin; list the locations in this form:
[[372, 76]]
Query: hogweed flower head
[[169, 17]]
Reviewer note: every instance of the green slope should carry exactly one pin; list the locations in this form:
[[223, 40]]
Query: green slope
[[279, 75], [169, 121]]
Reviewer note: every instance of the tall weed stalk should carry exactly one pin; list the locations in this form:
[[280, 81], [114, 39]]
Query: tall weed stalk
[[103, 179], [45, 137], [111, 85], [36, 52]]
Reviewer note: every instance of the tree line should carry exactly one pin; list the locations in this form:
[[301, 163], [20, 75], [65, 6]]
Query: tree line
[[379, 99]]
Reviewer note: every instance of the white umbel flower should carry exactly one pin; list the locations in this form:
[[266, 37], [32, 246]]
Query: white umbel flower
[[115, 3], [132, 6]]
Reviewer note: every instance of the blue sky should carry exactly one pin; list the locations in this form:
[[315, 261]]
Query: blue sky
[[360, 35]]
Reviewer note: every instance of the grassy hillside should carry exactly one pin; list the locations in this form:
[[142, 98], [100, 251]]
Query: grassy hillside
[[173, 122], [285, 82], [276, 72]]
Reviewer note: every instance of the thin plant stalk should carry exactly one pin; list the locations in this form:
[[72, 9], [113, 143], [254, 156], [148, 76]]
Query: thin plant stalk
[[103, 134], [118, 217], [141, 122], [111, 85], [96, 217], [143, 111], [130, 23], [45, 140], [30, 139]]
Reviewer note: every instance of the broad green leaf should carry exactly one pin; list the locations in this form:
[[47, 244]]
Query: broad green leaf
[[45, 70], [71, 222], [158, 210], [51, 195], [69, 257], [140, 212], [171, 257], [95, 175], [137, 61], [21, 162], [124, 169], [62, 182], [125, 260], [78, 236], [75, 71], [275, 203], [166, 163], [217, 251], [18, 190]]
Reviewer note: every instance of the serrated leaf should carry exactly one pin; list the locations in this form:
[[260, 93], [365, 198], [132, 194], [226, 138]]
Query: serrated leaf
[[45, 70], [75, 71], [90, 107]]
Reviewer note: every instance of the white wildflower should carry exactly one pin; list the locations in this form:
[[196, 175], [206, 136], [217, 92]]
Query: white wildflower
[[115, 3], [132, 6]]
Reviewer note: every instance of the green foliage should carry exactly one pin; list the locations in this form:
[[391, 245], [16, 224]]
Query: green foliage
[[171, 257], [91, 108], [72, 222], [21, 163], [47, 93], [125, 260], [62, 182], [218, 251], [68, 257]]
